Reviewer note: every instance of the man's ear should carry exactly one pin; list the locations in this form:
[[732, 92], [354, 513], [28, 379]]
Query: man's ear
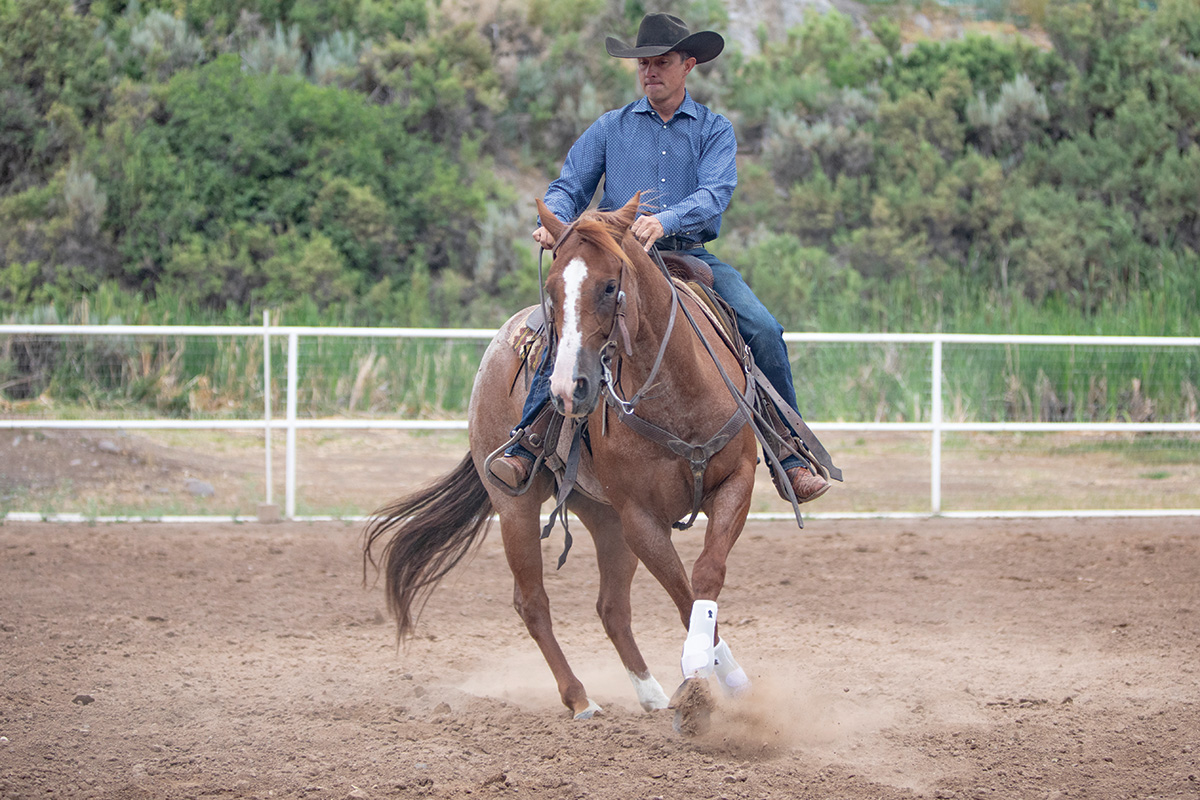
[[549, 221]]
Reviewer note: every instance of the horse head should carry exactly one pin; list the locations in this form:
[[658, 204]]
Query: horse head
[[586, 290]]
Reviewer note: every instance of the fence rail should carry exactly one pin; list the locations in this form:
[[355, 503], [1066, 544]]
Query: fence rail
[[291, 423]]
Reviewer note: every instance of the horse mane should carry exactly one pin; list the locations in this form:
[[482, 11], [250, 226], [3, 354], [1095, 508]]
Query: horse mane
[[597, 228]]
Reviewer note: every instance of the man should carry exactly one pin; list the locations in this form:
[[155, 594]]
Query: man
[[681, 156]]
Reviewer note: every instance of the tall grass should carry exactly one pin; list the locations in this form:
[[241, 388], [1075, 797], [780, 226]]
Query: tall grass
[[204, 377], [1004, 382], [410, 378]]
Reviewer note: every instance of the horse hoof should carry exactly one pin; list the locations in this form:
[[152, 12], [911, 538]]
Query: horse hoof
[[693, 705], [589, 712]]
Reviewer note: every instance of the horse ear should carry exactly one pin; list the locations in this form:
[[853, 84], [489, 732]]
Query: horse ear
[[623, 218], [549, 221]]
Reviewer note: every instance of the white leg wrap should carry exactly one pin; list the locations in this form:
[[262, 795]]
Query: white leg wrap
[[733, 678], [698, 651], [650, 693]]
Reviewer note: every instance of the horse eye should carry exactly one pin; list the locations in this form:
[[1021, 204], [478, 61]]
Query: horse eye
[[610, 287]]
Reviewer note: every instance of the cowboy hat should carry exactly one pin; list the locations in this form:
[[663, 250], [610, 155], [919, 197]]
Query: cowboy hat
[[662, 33]]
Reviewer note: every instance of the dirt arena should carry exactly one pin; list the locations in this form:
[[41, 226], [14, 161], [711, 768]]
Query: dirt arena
[[938, 659]]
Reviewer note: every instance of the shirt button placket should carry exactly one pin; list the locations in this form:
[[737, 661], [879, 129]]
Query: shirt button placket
[[662, 166]]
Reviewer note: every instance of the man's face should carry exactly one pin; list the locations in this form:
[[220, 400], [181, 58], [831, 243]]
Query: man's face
[[662, 77]]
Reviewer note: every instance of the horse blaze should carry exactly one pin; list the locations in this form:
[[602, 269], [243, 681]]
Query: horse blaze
[[565, 380]]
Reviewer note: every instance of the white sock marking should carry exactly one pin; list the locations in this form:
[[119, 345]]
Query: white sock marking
[[650, 693]]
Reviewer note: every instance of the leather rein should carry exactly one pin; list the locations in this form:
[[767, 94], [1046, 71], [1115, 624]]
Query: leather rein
[[697, 455]]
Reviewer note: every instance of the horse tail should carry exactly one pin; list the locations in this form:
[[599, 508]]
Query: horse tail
[[430, 531]]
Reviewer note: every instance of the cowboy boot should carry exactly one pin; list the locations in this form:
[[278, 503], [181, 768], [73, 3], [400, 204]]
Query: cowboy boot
[[511, 469], [807, 485]]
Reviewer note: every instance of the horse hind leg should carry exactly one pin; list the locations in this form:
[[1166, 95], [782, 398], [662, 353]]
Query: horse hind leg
[[522, 548], [617, 565]]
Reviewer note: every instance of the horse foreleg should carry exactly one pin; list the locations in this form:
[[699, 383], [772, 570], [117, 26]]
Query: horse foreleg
[[651, 543], [617, 565], [733, 679], [522, 548], [704, 652], [702, 657]]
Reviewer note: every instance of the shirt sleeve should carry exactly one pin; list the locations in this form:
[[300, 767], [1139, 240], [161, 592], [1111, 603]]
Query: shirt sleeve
[[569, 195], [717, 178]]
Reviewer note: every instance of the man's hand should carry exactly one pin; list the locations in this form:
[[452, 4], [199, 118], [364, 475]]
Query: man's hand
[[543, 237], [647, 230]]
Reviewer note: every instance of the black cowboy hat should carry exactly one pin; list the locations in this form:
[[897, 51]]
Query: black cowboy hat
[[662, 33]]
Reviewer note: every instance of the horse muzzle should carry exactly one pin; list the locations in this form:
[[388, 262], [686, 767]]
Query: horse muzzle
[[577, 395]]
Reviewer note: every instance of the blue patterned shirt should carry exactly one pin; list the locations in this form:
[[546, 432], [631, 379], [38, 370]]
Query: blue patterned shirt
[[685, 168]]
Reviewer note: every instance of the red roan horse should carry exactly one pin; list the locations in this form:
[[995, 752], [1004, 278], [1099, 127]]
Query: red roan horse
[[611, 310]]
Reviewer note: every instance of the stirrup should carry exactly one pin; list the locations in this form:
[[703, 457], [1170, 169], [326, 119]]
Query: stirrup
[[511, 469], [518, 434]]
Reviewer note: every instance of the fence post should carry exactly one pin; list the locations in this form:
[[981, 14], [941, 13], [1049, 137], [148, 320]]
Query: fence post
[[935, 459], [267, 403], [290, 457]]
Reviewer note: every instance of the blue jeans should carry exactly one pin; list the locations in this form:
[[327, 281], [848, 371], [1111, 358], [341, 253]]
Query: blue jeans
[[759, 328]]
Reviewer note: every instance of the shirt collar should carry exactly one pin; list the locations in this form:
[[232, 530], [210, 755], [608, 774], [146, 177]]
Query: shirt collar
[[687, 107]]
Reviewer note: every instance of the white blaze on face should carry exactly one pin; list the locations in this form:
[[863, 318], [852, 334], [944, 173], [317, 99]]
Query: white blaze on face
[[562, 379]]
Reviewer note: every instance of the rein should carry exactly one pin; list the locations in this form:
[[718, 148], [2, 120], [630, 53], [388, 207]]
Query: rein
[[697, 455], [754, 377]]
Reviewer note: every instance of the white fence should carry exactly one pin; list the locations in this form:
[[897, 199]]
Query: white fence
[[291, 423]]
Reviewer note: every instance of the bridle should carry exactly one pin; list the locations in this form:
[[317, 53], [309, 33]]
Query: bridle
[[746, 411], [617, 328], [697, 455]]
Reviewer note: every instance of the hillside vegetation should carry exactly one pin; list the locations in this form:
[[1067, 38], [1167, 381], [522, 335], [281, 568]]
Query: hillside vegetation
[[344, 160]]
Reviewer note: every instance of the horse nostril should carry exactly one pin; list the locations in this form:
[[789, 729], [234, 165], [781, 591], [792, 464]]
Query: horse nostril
[[581, 389]]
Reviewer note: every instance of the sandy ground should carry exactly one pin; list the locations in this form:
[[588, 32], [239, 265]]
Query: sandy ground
[[939, 659]]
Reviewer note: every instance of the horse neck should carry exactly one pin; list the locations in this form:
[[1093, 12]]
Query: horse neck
[[682, 369]]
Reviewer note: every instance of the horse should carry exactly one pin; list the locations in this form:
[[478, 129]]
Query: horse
[[612, 313]]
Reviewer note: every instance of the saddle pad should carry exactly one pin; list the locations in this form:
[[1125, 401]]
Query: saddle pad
[[725, 326]]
